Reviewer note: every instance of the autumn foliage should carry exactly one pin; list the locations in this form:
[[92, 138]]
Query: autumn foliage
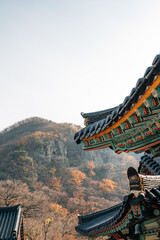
[[107, 185], [43, 169], [77, 177]]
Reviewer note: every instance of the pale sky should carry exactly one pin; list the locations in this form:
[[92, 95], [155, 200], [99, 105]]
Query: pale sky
[[62, 57]]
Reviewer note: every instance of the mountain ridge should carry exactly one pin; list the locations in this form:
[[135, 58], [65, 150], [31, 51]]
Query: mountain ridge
[[43, 155]]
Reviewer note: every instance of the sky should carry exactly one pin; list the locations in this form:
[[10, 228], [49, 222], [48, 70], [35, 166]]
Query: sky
[[59, 58]]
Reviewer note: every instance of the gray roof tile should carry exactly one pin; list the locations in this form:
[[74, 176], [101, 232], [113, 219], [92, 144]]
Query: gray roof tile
[[100, 221], [10, 220], [98, 121]]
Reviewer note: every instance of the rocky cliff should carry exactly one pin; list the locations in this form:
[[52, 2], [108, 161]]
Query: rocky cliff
[[38, 150]]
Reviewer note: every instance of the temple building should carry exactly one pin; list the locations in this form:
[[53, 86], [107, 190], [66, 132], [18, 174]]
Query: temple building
[[133, 126], [11, 223]]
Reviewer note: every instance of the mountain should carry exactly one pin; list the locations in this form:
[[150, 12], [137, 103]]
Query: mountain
[[43, 155]]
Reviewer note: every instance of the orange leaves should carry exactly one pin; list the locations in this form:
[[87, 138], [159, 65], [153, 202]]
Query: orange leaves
[[55, 183], [77, 203], [36, 135], [53, 171], [125, 172], [58, 208], [65, 139], [104, 186], [73, 177], [107, 185], [79, 193], [23, 141], [42, 134], [77, 177], [91, 173], [90, 165]]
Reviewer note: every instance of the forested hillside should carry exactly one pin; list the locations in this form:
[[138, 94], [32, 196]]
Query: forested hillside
[[48, 173]]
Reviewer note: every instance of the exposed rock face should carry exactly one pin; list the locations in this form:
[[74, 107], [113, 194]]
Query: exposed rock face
[[51, 145], [52, 152], [96, 156], [42, 153]]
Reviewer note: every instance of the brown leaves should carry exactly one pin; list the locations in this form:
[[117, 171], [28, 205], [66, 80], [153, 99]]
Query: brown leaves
[[11, 192], [58, 209], [16, 192]]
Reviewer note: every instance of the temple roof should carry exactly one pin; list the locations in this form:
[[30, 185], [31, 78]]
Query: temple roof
[[99, 121], [110, 220], [150, 164], [134, 126], [10, 221], [99, 221], [96, 116]]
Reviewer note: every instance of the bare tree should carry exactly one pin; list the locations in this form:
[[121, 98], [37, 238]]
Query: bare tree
[[11, 192], [16, 192]]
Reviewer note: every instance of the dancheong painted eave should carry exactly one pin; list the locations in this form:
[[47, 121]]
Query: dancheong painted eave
[[137, 216], [133, 125]]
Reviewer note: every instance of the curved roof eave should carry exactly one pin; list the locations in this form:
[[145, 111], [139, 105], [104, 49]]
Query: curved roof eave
[[107, 117]]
